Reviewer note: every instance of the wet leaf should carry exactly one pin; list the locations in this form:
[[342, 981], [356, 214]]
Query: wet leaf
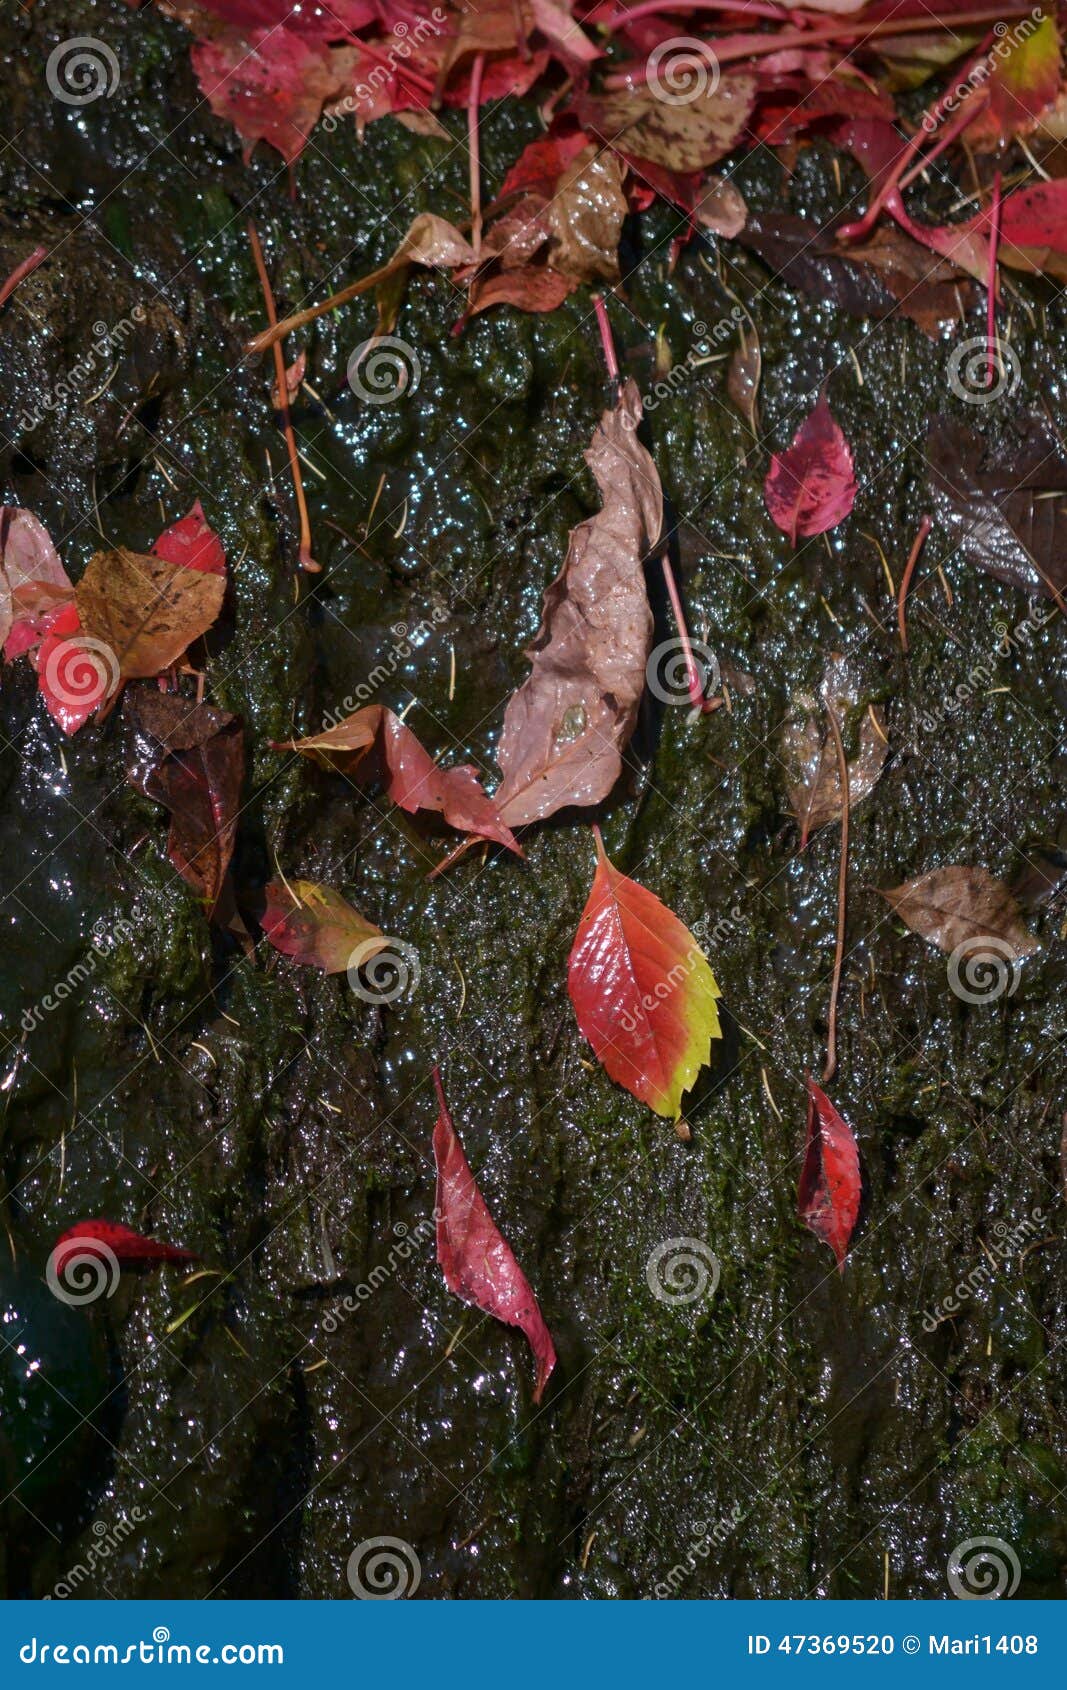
[[721, 208], [33, 582], [585, 217], [532, 287], [566, 726], [1004, 508], [477, 1262], [811, 486], [643, 993], [815, 795], [962, 906], [146, 610], [270, 84], [117, 1240], [414, 780], [191, 542], [828, 1197], [73, 678], [313, 924], [684, 137], [190, 758]]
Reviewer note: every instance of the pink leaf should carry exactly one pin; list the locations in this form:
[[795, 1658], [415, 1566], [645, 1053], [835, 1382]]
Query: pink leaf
[[74, 676], [192, 544], [811, 487], [828, 1198], [475, 1258], [119, 1241], [1036, 216], [33, 582]]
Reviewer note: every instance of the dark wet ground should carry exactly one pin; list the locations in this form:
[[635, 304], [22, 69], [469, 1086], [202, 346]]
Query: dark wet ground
[[812, 1434]]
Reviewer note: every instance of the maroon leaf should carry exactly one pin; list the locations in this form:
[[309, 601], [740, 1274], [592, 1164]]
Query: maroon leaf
[[828, 1197], [811, 487], [476, 1259], [122, 1243], [190, 758]]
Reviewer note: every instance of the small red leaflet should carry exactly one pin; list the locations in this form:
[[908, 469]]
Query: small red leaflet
[[476, 1259], [120, 1241], [828, 1197], [192, 543], [811, 487]]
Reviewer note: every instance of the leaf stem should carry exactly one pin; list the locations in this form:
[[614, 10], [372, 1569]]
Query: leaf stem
[[992, 350], [21, 271], [474, 99], [306, 560], [905, 580], [842, 895], [607, 339], [693, 676]]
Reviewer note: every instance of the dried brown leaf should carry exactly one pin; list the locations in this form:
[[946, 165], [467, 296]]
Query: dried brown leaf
[[815, 795], [145, 610], [962, 906], [585, 217]]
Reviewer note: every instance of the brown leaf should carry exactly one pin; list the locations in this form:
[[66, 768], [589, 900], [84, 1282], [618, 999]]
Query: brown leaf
[[190, 758], [530, 288], [721, 208], [585, 217], [315, 925], [685, 137], [962, 906], [566, 726], [815, 795], [145, 610]]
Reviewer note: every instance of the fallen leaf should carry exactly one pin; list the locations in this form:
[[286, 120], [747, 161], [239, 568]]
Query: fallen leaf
[[144, 609], [682, 137], [585, 217], [815, 795], [721, 208], [828, 1196], [962, 906], [192, 543], [643, 993], [74, 677], [414, 780], [1004, 507], [529, 288], [113, 1239], [190, 758], [477, 1262], [33, 582], [566, 726], [313, 924], [811, 486], [270, 84]]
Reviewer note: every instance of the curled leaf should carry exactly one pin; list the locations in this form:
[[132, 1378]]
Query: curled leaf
[[585, 217], [828, 1196], [566, 726], [643, 993], [313, 924], [477, 1262], [811, 486], [33, 582]]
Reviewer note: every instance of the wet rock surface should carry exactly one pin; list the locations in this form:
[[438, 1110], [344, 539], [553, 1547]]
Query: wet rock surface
[[794, 1432]]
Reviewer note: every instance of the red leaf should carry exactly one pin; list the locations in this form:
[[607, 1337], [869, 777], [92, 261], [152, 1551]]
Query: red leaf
[[192, 543], [33, 582], [828, 1197], [314, 925], [476, 1259], [74, 676], [642, 990], [271, 84], [124, 1244], [811, 487], [1036, 216]]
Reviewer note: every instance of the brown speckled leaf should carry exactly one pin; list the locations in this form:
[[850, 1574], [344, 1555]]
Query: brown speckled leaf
[[145, 609], [685, 137], [959, 905], [815, 796], [565, 728]]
